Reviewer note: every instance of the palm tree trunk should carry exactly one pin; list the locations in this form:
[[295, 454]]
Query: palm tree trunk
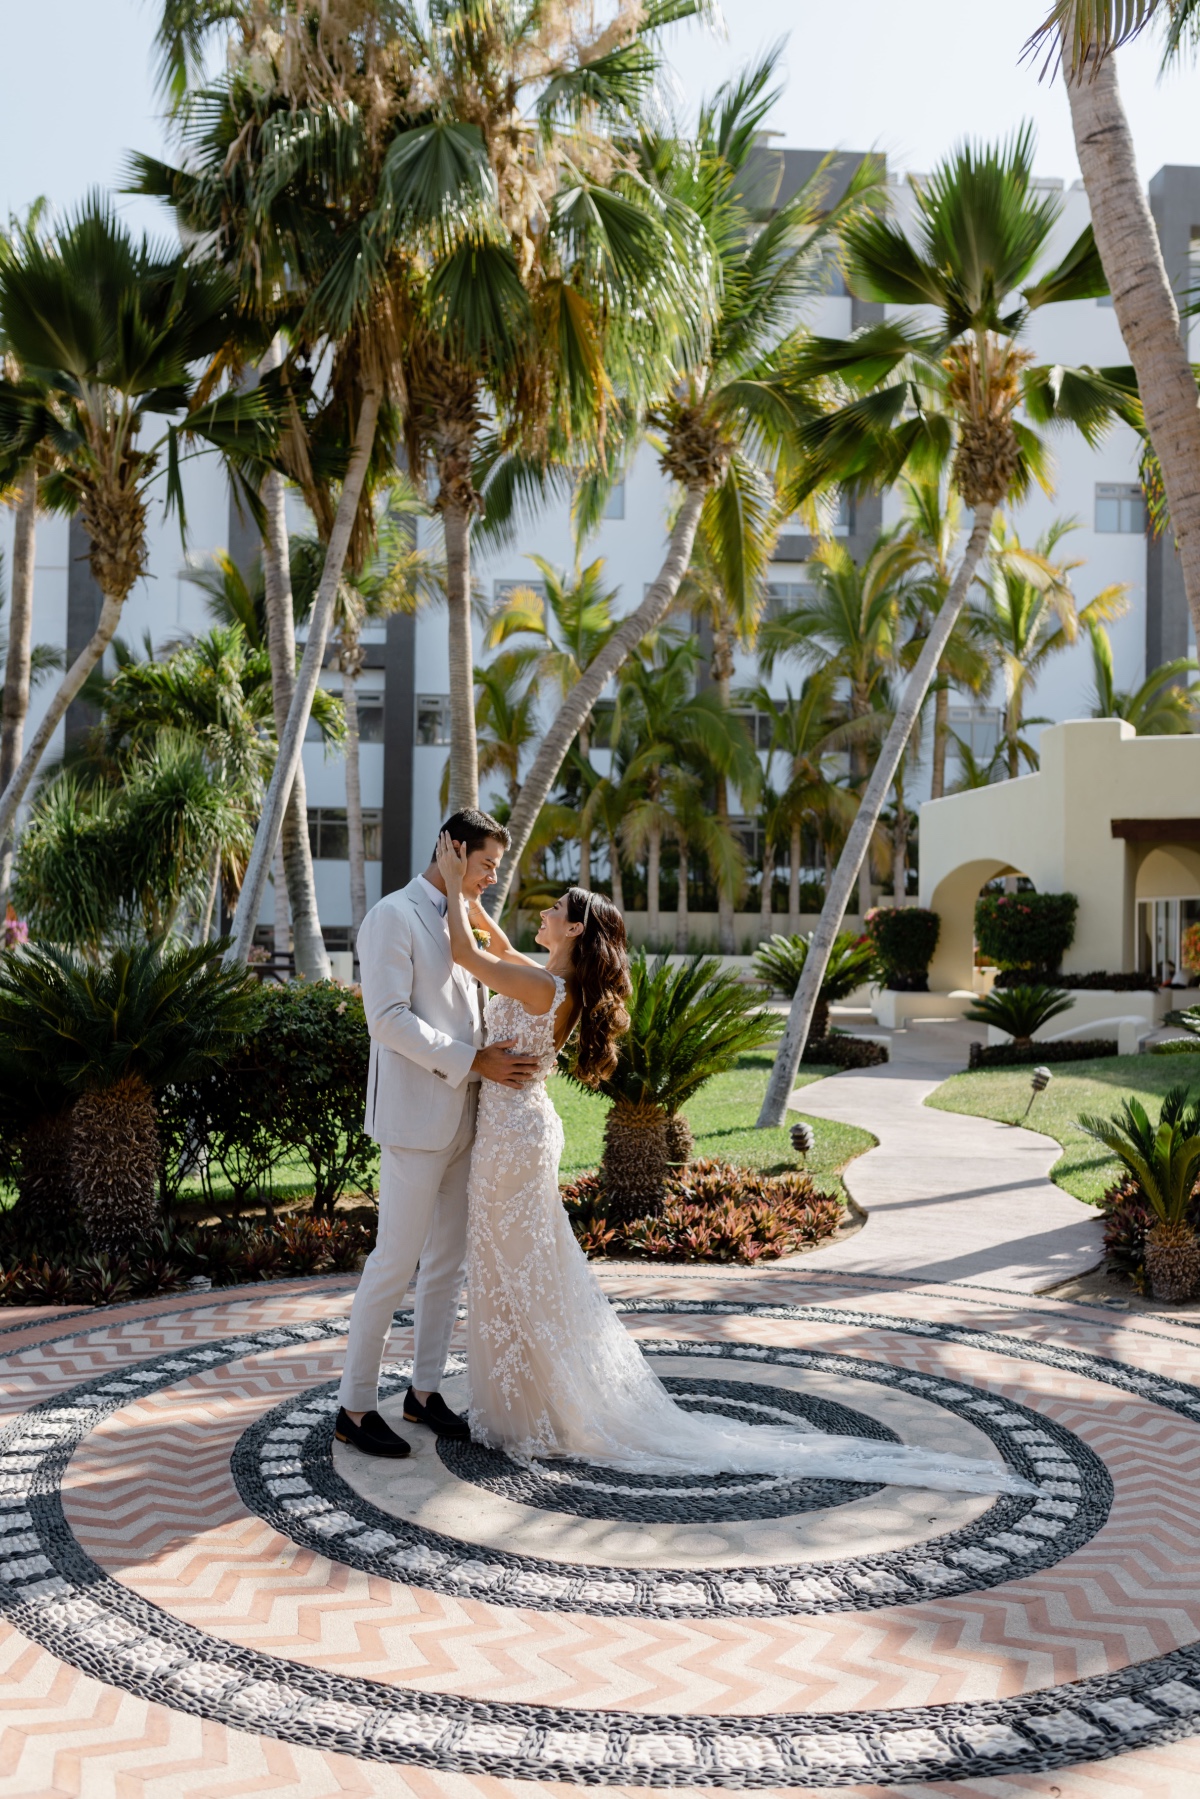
[[20, 647], [585, 835], [794, 880], [941, 733], [681, 904], [1142, 298], [283, 911], [614, 875], [900, 853], [577, 705], [204, 928], [766, 896], [653, 862], [791, 1048], [864, 884], [291, 741], [302, 933], [68, 687], [464, 753], [354, 815]]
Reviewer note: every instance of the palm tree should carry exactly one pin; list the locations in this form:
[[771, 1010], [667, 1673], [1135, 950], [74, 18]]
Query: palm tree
[[668, 724], [728, 408], [909, 392], [32, 662], [573, 622], [1165, 703], [809, 731], [694, 823], [1030, 615], [1083, 35], [112, 333]]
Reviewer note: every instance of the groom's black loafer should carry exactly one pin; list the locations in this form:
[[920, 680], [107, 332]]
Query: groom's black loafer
[[374, 1436], [437, 1415]]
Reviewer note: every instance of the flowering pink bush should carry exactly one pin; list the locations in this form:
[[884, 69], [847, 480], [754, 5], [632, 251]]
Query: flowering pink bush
[[16, 931]]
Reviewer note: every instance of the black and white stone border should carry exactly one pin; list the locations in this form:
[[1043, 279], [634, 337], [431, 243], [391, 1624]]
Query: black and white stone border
[[284, 1471], [53, 1592]]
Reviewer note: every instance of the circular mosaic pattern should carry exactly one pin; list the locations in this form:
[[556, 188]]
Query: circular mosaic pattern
[[586, 1491], [53, 1592]]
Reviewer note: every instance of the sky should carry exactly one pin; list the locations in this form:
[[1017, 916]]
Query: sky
[[909, 77]]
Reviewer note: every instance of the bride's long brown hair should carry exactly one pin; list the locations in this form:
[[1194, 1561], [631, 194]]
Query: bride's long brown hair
[[601, 977]]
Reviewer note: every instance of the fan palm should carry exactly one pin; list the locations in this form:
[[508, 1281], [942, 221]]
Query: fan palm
[[111, 333], [909, 392], [1030, 615], [106, 1037], [1165, 703], [688, 1023], [727, 413], [1082, 35]]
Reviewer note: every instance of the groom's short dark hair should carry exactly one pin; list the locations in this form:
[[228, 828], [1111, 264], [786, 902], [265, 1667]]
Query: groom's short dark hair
[[473, 828]]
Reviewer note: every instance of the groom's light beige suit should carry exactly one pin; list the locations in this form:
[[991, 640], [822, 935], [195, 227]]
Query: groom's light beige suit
[[425, 1016]]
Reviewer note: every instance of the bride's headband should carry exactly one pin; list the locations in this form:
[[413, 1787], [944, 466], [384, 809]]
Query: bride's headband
[[588, 897]]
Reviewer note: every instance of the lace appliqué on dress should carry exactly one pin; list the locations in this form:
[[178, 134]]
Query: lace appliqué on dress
[[553, 1371]]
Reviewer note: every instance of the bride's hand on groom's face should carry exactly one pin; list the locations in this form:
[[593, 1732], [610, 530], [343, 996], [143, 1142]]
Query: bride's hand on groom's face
[[451, 861]]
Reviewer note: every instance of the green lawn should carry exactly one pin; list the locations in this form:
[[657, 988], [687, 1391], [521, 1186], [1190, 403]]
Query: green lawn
[[722, 1119], [1083, 1169]]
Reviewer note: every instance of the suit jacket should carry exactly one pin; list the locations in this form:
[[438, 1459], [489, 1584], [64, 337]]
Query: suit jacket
[[425, 1016]]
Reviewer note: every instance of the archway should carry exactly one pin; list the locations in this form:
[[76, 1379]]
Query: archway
[[953, 899]]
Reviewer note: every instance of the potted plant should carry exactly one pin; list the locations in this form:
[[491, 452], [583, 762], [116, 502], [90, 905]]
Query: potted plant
[[1029, 931], [1164, 1159]]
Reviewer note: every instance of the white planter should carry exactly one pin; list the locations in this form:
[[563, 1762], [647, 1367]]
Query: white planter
[[895, 1009]]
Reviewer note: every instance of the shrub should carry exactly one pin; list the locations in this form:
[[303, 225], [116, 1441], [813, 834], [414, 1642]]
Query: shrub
[[1022, 1055], [1031, 931], [713, 1212], [780, 963], [1020, 1010], [1127, 1220], [841, 1050], [904, 938], [1098, 980], [1176, 1046], [1163, 1157]]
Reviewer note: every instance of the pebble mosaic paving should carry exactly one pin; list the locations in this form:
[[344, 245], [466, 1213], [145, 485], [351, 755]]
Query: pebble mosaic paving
[[200, 1593]]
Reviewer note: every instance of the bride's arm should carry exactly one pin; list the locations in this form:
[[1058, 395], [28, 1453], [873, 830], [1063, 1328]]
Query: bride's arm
[[500, 945], [519, 979]]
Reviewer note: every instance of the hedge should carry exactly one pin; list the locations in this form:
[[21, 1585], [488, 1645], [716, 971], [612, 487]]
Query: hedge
[[905, 938], [1008, 1055], [1098, 980], [841, 1050], [1027, 931]]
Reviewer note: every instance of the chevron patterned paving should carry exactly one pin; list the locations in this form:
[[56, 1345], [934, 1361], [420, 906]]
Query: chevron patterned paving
[[150, 1496]]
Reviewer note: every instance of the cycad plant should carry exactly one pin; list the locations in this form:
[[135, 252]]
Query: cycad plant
[[105, 1037], [688, 1022], [949, 380], [1164, 1159], [1020, 1010], [852, 962]]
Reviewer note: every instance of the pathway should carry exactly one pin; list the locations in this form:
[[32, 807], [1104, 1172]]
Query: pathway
[[949, 1198]]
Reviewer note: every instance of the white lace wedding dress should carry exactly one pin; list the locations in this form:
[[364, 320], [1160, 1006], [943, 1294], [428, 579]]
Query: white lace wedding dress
[[553, 1371]]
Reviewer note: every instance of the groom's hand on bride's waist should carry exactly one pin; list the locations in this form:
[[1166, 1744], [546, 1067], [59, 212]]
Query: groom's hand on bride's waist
[[507, 1067]]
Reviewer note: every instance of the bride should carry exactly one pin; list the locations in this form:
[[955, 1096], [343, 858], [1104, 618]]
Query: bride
[[552, 1370]]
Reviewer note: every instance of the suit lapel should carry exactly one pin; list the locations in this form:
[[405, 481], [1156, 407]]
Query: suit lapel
[[438, 929]]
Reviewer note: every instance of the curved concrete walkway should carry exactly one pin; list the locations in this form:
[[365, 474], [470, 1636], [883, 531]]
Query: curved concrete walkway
[[948, 1197]]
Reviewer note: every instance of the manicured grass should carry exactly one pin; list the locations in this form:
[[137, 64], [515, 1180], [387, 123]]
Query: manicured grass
[[1084, 1169], [722, 1119]]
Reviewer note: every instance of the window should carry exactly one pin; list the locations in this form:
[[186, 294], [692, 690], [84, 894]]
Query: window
[[758, 725], [979, 727], [504, 590], [329, 834], [615, 504], [786, 596], [433, 718], [370, 718], [1120, 506], [602, 723]]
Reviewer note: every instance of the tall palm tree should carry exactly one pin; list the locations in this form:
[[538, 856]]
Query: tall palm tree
[[111, 333], [810, 731], [912, 390], [1030, 615], [1163, 706], [1082, 36], [694, 824], [728, 408], [573, 622], [850, 625], [506, 716]]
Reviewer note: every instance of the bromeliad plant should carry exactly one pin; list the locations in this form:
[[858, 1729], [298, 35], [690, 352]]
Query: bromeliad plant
[[1164, 1159], [1021, 1011], [98, 1042], [687, 1024]]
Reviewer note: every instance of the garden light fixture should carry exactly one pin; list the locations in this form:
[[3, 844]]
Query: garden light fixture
[[802, 1140], [1039, 1081]]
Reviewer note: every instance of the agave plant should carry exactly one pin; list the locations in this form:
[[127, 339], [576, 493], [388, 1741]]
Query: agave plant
[[1020, 1010], [103, 1038], [1164, 1159], [852, 962], [688, 1022]]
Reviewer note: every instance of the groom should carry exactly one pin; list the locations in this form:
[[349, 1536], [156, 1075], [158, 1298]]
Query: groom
[[425, 1017]]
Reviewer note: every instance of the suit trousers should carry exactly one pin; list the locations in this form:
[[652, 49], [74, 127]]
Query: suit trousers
[[422, 1214]]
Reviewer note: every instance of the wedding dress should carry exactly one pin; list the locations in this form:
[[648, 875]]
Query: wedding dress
[[552, 1370]]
